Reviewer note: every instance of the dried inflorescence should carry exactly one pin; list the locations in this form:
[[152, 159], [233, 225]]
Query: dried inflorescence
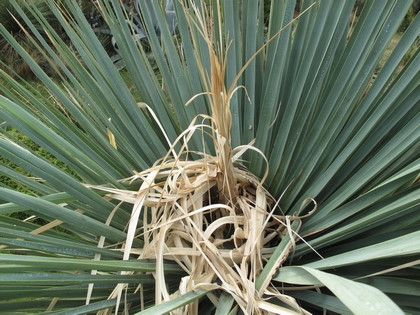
[[210, 215], [219, 243]]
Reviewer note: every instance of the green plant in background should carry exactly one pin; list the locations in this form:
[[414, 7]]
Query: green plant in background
[[248, 179], [12, 22], [409, 17], [93, 16], [411, 51], [134, 18]]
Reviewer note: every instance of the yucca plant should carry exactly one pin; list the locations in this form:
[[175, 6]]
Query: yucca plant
[[260, 172]]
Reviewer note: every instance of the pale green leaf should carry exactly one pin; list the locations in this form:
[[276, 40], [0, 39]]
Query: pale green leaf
[[359, 298]]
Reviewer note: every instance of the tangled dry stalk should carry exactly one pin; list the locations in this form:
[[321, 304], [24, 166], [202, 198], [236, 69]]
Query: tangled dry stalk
[[210, 215], [220, 243]]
